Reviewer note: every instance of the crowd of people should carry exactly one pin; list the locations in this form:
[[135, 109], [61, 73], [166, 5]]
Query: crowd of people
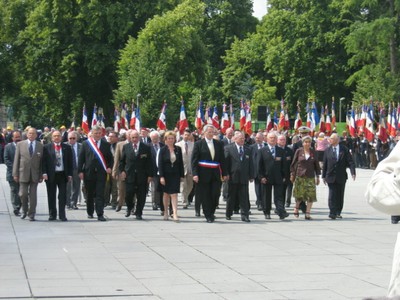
[[120, 169]]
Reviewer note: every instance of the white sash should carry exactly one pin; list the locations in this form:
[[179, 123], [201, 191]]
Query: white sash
[[97, 153]]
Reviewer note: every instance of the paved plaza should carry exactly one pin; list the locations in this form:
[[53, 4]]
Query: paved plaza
[[155, 259]]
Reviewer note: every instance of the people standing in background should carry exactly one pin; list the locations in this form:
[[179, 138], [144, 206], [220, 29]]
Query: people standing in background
[[74, 186], [9, 154]]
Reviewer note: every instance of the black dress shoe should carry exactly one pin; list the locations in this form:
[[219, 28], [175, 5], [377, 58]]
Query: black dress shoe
[[287, 204], [283, 216], [128, 213], [185, 207], [32, 219], [259, 208], [395, 221], [63, 219], [90, 216], [139, 217], [101, 218], [333, 217], [245, 219], [236, 212], [75, 207], [23, 216], [339, 217], [197, 214], [267, 216], [52, 218], [118, 208], [209, 220], [17, 213], [228, 218]]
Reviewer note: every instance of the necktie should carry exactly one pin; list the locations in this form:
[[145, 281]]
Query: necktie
[[57, 147], [241, 152], [31, 149], [335, 152], [135, 147], [259, 146], [186, 148], [273, 152]]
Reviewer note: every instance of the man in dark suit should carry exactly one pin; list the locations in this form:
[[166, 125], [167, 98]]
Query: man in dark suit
[[240, 169], [337, 159], [272, 175], [57, 171], [208, 167], [74, 186], [259, 143], [94, 164], [287, 185], [136, 170], [9, 153], [227, 140]]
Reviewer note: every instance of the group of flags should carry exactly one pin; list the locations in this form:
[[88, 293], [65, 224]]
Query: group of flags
[[369, 119], [374, 119]]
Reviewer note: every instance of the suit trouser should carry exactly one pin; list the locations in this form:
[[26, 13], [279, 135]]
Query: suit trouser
[[95, 195], [73, 189], [111, 191], [258, 190], [287, 192], [187, 186], [208, 193], [278, 198], [15, 199], [156, 195], [60, 183], [138, 190], [336, 198], [28, 194], [238, 193], [121, 192]]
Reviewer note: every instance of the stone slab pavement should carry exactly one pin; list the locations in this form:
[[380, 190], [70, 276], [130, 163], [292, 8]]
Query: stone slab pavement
[[156, 259]]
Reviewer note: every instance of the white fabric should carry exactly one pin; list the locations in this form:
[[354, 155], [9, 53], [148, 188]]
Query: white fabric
[[394, 285], [383, 190]]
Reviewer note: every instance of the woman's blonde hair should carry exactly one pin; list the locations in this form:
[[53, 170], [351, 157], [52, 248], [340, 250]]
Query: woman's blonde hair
[[169, 133]]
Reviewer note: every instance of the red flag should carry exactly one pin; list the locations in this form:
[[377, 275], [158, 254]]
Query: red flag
[[94, 117], [225, 124], [242, 120], [161, 123], [183, 122], [85, 122], [215, 119]]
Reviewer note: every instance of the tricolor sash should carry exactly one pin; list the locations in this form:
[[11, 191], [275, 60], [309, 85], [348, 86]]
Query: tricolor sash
[[97, 153], [209, 164]]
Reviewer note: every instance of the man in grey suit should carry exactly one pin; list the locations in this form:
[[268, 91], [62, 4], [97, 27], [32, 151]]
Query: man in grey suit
[[9, 153], [74, 186], [27, 171], [187, 148]]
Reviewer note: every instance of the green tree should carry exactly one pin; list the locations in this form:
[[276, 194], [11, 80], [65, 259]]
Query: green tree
[[167, 59]]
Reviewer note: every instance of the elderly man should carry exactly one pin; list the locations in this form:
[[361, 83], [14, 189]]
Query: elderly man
[[208, 166], [156, 193], [27, 171], [74, 186], [337, 159], [186, 145], [95, 162], [272, 175]]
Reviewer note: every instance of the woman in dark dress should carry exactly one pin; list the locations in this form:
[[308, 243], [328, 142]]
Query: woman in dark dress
[[170, 168]]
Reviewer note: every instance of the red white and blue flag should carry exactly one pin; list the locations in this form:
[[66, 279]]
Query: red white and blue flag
[[161, 122], [183, 122]]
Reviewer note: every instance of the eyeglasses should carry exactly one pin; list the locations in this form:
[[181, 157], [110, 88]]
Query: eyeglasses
[[72, 138]]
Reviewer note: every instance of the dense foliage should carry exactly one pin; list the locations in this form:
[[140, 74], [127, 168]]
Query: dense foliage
[[56, 55]]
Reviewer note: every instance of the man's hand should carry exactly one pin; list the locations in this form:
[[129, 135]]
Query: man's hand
[[196, 179], [81, 176], [122, 176]]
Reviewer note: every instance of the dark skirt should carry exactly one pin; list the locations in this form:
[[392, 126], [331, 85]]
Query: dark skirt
[[172, 183]]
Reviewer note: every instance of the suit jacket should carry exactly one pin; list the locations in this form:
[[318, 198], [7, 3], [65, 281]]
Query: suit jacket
[[335, 170], [49, 161], [239, 171], [201, 152], [226, 142], [27, 168], [186, 156], [154, 157], [138, 167], [288, 161], [117, 158], [79, 145], [9, 153], [273, 169], [164, 162], [88, 162]]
